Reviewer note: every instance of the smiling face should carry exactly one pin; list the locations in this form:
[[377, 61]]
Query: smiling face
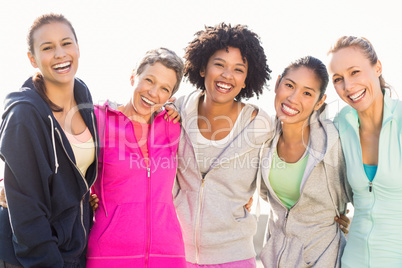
[[297, 95], [355, 79], [55, 53], [152, 89], [225, 75]]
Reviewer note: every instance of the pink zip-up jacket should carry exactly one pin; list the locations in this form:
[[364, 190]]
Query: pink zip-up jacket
[[136, 223]]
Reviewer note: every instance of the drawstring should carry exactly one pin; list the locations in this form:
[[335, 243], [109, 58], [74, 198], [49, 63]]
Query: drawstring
[[259, 178], [329, 190], [103, 158], [54, 146]]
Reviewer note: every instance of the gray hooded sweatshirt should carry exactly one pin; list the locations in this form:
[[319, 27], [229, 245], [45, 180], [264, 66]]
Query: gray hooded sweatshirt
[[306, 235], [216, 226]]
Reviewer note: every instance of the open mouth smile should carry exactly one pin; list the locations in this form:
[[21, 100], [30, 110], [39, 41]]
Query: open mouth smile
[[147, 101], [358, 95], [288, 110], [224, 87], [62, 67]]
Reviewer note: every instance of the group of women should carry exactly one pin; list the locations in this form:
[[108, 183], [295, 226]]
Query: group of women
[[57, 147]]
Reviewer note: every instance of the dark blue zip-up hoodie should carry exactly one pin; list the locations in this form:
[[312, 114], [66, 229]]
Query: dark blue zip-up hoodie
[[47, 196]]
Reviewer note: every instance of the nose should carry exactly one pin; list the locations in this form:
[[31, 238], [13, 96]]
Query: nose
[[59, 52], [227, 73], [153, 91], [348, 84], [293, 98]]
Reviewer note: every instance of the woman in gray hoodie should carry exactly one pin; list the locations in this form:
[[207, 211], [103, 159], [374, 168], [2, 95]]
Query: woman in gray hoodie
[[303, 173]]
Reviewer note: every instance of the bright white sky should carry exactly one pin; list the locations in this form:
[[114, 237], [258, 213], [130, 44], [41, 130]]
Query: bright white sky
[[113, 35]]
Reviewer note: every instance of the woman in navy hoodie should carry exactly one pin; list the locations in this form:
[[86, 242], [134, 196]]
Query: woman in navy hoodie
[[48, 141]]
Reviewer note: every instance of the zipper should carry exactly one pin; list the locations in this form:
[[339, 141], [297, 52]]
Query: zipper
[[82, 177], [148, 217], [284, 239], [372, 227], [197, 227], [370, 186], [148, 248]]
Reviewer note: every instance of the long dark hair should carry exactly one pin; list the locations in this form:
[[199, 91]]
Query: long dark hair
[[38, 77]]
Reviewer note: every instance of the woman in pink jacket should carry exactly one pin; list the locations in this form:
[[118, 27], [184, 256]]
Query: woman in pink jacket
[[136, 223]]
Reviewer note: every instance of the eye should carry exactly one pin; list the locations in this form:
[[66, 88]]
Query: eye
[[218, 64], [166, 89], [148, 80], [67, 43], [336, 80], [46, 48], [307, 93], [288, 85], [354, 72], [239, 70]]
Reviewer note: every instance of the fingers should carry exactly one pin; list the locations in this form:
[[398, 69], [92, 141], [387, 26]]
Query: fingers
[[3, 201], [172, 99], [93, 201], [343, 222], [249, 204], [172, 114]]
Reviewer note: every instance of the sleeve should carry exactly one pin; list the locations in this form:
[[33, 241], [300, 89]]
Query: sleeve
[[28, 174], [344, 178]]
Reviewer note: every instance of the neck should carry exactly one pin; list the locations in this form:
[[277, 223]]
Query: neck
[[130, 111], [211, 109], [61, 95], [371, 119], [295, 133]]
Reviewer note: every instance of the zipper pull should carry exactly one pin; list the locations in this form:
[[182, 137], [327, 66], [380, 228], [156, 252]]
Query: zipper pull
[[370, 186], [202, 182], [149, 172]]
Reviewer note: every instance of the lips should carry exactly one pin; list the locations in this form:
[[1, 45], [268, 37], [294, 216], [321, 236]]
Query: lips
[[286, 109], [357, 96], [147, 101], [224, 87], [62, 67]]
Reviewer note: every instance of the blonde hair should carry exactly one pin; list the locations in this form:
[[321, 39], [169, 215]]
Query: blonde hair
[[365, 47]]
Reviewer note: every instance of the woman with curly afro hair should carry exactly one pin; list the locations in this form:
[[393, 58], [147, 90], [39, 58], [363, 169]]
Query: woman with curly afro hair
[[219, 148]]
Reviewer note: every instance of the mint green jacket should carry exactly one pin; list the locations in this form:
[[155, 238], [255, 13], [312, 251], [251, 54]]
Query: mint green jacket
[[375, 237]]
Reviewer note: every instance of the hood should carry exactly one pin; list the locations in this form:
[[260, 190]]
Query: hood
[[28, 95]]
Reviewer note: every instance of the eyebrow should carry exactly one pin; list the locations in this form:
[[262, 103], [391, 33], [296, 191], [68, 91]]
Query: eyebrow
[[163, 84], [309, 88], [241, 64], [348, 69]]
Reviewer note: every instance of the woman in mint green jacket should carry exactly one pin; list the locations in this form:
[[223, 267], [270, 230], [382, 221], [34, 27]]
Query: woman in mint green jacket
[[371, 137]]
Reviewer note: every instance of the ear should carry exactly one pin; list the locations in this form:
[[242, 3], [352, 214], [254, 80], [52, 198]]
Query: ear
[[132, 77], [202, 72], [32, 60], [278, 80], [320, 103], [78, 48], [378, 68]]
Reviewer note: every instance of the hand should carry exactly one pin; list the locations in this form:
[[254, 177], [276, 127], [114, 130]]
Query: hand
[[343, 222], [249, 204], [3, 201], [93, 201], [172, 112]]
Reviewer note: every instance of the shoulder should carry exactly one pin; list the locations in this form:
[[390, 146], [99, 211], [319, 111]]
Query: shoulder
[[82, 93], [23, 113], [345, 119]]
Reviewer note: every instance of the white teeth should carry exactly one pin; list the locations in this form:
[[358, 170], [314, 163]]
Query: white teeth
[[289, 110], [62, 65], [358, 95], [224, 86], [148, 101]]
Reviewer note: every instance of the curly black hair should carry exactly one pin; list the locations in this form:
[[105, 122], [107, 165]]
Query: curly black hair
[[222, 36]]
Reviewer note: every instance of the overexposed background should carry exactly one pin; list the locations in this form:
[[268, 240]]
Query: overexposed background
[[113, 35]]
